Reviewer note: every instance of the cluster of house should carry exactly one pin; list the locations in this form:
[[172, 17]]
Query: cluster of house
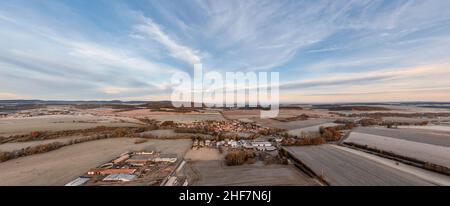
[[236, 144], [127, 167], [224, 126]]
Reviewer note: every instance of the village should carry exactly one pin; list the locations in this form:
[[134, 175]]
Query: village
[[141, 146], [218, 127], [155, 168]]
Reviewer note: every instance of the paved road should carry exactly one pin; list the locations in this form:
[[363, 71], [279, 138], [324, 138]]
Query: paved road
[[341, 167]]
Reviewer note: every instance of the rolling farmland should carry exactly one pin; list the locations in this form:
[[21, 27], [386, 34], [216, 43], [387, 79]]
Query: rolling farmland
[[415, 135], [60, 166], [439, 155], [214, 173], [340, 167]]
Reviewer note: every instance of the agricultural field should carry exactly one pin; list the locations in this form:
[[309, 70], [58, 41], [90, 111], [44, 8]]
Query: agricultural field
[[432, 153], [340, 167], [423, 136], [60, 166], [204, 154], [206, 167], [254, 114], [215, 173], [293, 124], [22, 125], [9, 147], [171, 134], [170, 116], [186, 118], [311, 129], [441, 128]]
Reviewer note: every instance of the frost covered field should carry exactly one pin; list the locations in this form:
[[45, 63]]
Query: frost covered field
[[422, 151], [430, 127]]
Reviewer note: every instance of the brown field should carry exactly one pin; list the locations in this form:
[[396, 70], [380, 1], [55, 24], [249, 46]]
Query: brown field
[[203, 154], [8, 147], [254, 114], [13, 126], [311, 129], [170, 133], [187, 118], [293, 124], [164, 116], [316, 117], [216, 173]]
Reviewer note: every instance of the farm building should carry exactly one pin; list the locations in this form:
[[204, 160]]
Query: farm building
[[120, 177], [79, 181], [261, 144]]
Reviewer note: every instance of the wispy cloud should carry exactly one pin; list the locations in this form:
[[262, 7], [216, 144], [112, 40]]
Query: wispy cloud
[[129, 49], [39, 59], [154, 31], [364, 78]]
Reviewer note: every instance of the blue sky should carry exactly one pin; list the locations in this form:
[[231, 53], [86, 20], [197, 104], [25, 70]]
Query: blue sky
[[325, 51]]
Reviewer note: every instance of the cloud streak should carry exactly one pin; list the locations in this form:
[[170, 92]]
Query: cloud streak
[[178, 51], [129, 49]]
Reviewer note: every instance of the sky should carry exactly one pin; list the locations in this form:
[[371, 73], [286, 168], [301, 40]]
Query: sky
[[324, 51]]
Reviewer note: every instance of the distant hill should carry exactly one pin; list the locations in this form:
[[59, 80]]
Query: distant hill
[[168, 104], [62, 102]]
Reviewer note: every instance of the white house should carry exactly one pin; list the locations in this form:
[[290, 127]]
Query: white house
[[248, 145], [233, 143], [261, 144], [278, 139], [260, 148], [271, 148], [219, 143]]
